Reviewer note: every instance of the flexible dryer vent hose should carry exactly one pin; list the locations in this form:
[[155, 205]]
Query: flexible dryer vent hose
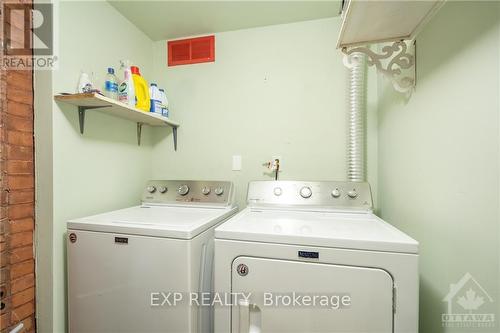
[[356, 118]]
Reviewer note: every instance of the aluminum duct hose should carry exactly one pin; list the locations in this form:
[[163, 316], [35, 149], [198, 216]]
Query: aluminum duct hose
[[356, 127]]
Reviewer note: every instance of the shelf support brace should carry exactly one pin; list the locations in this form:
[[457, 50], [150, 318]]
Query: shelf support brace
[[395, 61], [139, 133], [81, 114], [174, 133], [81, 118]]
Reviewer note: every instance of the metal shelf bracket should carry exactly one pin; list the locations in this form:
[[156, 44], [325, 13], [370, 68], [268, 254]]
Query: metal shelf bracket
[[396, 61], [81, 114], [174, 134], [139, 133]]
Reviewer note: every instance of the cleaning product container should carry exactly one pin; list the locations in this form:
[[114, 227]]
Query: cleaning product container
[[155, 96], [126, 91], [84, 84], [164, 103], [141, 90], [111, 84]]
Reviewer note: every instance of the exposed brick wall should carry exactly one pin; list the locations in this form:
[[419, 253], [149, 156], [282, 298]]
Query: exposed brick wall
[[17, 266]]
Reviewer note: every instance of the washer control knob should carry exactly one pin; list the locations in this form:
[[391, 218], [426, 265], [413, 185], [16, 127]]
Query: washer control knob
[[183, 189], [151, 189], [163, 189], [205, 190], [305, 192], [219, 191], [352, 194], [277, 191], [336, 193]]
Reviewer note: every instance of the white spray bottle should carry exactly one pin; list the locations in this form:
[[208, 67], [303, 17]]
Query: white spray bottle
[[126, 91]]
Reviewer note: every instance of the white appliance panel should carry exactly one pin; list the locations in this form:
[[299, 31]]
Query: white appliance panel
[[364, 231], [110, 283], [370, 291], [402, 267], [182, 222]]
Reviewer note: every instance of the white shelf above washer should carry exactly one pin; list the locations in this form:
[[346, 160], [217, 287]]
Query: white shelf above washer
[[97, 102], [368, 22]]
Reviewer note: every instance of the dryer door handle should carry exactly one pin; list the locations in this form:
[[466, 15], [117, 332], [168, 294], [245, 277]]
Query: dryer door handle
[[250, 317], [244, 316]]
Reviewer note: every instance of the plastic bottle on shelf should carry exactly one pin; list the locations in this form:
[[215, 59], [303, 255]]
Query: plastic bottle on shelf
[[141, 90], [111, 84], [84, 83], [155, 96], [164, 103], [126, 91]]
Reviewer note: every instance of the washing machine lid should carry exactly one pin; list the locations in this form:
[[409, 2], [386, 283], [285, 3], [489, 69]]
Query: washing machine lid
[[361, 231], [183, 222]]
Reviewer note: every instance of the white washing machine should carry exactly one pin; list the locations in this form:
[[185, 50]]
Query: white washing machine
[[122, 265], [312, 257]]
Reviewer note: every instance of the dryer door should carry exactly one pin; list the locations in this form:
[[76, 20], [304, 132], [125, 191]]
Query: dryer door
[[292, 296]]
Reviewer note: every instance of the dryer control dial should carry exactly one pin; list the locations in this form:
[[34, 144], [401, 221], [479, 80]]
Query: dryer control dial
[[205, 190], [219, 191], [336, 193], [305, 192], [183, 189], [151, 189], [163, 189], [352, 194]]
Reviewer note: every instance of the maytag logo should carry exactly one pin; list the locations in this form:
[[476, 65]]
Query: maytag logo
[[309, 254], [121, 240]]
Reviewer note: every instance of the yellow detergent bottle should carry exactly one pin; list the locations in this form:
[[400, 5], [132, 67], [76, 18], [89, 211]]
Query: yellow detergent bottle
[[141, 90]]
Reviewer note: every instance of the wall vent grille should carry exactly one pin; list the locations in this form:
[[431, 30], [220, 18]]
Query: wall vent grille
[[191, 51]]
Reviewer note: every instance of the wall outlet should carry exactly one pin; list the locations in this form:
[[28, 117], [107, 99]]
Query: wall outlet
[[237, 163]]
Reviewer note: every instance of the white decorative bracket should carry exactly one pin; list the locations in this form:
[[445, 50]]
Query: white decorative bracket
[[396, 62]]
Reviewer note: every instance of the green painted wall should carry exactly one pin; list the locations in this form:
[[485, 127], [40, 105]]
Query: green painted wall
[[439, 156], [102, 170], [278, 90]]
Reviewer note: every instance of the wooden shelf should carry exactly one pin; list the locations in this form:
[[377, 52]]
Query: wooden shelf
[[96, 102], [367, 22]]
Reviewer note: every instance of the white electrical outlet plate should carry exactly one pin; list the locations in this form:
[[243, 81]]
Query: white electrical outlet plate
[[237, 162]]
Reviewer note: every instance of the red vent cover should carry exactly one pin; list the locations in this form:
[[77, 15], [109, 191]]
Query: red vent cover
[[191, 51]]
